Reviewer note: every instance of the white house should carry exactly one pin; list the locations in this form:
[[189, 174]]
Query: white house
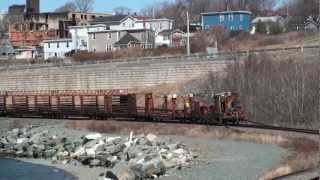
[[80, 37], [134, 22], [159, 26], [56, 48], [268, 21], [164, 39]]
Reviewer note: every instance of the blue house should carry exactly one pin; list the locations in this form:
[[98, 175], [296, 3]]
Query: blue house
[[230, 20]]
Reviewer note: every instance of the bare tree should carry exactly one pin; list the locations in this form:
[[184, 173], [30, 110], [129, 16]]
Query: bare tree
[[121, 10], [84, 5], [69, 6]]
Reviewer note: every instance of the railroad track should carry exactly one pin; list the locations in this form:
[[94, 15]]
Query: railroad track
[[257, 125]]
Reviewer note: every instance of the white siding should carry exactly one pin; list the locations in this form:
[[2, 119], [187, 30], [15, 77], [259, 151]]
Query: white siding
[[56, 49]]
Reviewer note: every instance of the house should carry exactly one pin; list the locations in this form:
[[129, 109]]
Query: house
[[268, 23], [140, 38], [6, 50], [103, 41], [25, 53], [129, 22], [229, 20], [163, 39], [56, 48], [111, 40], [80, 35], [36, 26], [312, 24], [178, 38]]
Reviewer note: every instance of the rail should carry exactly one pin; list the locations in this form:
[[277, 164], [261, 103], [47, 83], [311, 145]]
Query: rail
[[258, 125]]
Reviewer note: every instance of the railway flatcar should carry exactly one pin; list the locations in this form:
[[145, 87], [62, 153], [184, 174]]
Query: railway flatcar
[[116, 104]]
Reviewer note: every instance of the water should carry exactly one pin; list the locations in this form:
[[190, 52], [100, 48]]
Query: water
[[17, 170]]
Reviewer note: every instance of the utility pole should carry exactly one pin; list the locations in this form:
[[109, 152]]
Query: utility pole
[[188, 34]]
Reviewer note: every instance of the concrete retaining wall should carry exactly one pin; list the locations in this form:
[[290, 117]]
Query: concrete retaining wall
[[107, 76]]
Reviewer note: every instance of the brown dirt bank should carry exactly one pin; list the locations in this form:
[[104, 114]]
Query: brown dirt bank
[[302, 152]]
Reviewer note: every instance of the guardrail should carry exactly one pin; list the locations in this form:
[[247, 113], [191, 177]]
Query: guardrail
[[221, 56]]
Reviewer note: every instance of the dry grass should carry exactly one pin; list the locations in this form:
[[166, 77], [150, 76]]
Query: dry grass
[[127, 53], [301, 151]]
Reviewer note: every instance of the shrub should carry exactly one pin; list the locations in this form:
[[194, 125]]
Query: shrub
[[282, 93], [261, 27], [275, 29]]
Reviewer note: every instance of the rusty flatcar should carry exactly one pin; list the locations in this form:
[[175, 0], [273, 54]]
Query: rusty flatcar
[[104, 104]]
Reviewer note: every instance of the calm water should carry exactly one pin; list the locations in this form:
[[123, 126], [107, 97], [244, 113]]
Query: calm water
[[16, 170]]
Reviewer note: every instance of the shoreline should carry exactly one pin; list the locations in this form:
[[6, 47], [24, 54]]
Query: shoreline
[[43, 164]]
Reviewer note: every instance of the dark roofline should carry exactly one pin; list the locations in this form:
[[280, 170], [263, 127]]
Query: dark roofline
[[17, 5], [226, 12]]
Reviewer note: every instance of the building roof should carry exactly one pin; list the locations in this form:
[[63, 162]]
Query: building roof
[[165, 32], [114, 18], [127, 39], [267, 19], [226, 12], [56, 40], [87, 26], [6, 50]]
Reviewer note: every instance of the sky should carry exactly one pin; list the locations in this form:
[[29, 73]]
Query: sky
[[99, 6]]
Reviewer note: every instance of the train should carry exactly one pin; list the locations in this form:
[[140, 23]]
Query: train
[[121, 104]]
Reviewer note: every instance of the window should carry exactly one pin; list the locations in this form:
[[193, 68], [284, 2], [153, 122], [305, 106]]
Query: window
[[94, 36], [221, 18], [132, 25], [81, 16], [67, 44], [124, 24], [58, 45], [93, 16], [230, 17], [109, 35], [55, 54], [49, 45], [240, 27], [241, 17], [108, 47], [165, 38], [85, 17]]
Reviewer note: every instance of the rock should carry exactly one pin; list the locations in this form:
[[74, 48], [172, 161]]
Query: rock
[[22, 140], [79, 152], [62, 155], [123, 172], [178, 151], [86, 160], [49, 153], [148, 168], [111, 175], [95, 162], [11, 140], [94, 136], [113, 150], [151, 137]]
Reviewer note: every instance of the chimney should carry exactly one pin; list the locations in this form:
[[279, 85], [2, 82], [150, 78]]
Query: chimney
[[33, 6]]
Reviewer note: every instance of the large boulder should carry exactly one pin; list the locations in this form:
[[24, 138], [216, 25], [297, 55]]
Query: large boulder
[[93, 136]]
